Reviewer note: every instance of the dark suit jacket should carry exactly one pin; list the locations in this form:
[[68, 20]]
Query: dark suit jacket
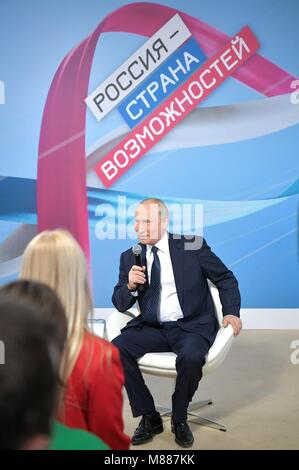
[[191, 270]]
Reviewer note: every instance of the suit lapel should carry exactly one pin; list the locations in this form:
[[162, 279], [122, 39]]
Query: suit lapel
[[176, 249]]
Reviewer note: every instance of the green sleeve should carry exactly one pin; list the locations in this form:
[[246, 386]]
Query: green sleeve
[[64, 438]]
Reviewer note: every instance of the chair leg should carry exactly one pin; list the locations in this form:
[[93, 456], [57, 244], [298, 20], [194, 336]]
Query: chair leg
[[164, 410], [206, 422], [199, 404], [203, 421], [167, 412]]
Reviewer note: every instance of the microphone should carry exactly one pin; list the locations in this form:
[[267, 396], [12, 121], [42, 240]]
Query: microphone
[[137, 250]]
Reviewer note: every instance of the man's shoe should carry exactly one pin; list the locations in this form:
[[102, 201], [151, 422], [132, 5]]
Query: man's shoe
[[146, 429], [183, 434]]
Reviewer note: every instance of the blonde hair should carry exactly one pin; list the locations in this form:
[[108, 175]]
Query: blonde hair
[[55, 258]]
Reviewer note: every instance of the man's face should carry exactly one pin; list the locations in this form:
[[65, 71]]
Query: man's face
[[150, 225]]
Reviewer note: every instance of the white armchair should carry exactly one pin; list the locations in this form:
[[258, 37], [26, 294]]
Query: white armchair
[[163, 364]]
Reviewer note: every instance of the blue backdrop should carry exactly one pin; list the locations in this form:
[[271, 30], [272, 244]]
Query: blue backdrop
[[258, 238]]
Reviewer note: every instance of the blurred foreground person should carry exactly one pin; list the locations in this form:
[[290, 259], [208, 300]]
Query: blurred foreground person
[[50, 325], [91, 368]]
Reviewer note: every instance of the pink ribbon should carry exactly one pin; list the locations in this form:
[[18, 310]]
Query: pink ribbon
[[61, 176]]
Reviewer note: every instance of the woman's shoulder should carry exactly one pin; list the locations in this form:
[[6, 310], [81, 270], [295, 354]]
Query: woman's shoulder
[[98, 363], [91, 338]]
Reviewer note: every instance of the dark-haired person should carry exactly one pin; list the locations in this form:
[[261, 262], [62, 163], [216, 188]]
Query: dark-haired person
[[32, 314], [28, 378]]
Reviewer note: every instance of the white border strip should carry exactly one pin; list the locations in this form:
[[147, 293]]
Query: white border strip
[[252, 318]]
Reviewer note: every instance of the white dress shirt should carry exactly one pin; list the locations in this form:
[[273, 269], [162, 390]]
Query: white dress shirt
[[170, 309]]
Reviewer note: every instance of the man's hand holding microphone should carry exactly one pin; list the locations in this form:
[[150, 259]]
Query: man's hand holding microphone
[[137, 278]]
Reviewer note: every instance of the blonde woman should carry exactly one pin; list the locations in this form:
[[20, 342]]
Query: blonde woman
[[91, 367]]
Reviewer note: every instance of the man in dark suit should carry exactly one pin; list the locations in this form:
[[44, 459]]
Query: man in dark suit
[[176, 314]]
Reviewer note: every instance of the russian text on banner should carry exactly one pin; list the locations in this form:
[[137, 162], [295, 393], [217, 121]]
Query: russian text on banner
[[139, 141], [164, 81], [138, 67]]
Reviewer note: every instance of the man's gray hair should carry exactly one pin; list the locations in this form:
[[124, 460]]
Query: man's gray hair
[[163, 209]]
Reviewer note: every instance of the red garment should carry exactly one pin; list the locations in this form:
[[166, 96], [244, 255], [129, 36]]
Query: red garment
[[93, 396]]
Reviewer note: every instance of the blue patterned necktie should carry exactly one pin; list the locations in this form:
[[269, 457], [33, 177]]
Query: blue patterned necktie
[[151, 308]]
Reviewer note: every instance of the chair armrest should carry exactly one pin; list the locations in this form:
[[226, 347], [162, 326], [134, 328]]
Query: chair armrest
[[116, 322], [219, 348]]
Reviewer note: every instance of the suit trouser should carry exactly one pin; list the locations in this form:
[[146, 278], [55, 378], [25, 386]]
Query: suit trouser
[[191, 350]]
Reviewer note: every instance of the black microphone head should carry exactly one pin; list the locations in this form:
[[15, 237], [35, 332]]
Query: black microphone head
[[137, 250]]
